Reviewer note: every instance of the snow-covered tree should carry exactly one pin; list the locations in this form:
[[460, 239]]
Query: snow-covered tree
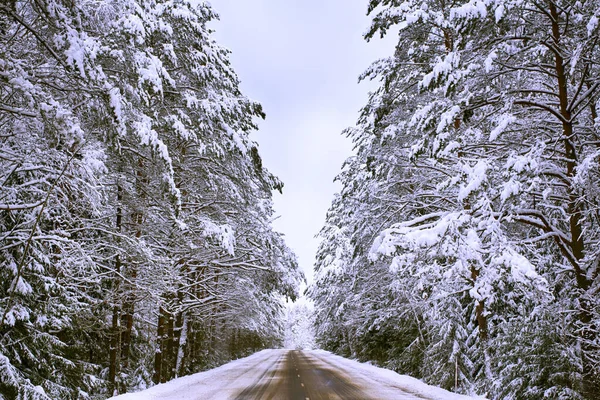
[[481, 147], [299, 325], [135, 211]]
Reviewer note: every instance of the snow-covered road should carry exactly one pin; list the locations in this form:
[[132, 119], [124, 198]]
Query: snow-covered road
[[294, 375]]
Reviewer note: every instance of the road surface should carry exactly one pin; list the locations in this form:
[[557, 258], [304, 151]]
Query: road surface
[[299, 375], [294, 375]]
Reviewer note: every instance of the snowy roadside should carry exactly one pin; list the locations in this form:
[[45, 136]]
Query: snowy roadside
[[384, 383], [224, 382], [229, 380]]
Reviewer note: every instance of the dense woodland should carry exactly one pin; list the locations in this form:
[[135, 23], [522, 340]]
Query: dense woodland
[[464, 245], [135, 236]]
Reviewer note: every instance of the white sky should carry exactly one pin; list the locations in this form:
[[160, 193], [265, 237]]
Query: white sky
[[301, 59]]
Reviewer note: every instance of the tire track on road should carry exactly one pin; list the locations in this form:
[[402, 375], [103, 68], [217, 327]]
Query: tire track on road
[[259, 389]]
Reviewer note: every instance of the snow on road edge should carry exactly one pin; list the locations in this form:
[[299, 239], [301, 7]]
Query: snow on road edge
[[390, 378], [223, 382], [227, 381]]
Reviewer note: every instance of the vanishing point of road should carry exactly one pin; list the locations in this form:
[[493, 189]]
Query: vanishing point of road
[[299, 376]]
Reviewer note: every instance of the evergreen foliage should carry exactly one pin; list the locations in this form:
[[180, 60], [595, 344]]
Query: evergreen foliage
[[135, 236], [463, 246]]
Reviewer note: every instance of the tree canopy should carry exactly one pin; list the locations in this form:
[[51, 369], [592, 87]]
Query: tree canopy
[[135, 213], [463, 247]]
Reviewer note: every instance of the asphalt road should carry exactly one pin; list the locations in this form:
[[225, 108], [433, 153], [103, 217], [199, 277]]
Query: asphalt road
[[278, 374], [298, 375]]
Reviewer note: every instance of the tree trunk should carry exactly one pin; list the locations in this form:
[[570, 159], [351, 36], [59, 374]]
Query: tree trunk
[[113, 368], [188, 348], [158, 353], [129, 295], [168, 359], [179, 344], [574, 210], [115, 346], [176, 341], [482, 322], [127, 323]]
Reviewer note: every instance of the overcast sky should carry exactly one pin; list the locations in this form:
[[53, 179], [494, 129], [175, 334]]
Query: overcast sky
[[301, 59]]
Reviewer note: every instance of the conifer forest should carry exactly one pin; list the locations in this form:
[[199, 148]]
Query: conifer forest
[[464, 246], [136, 215], [135, 212]]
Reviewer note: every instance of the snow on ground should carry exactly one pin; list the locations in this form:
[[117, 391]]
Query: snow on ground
[[383, 383], [224, 382]]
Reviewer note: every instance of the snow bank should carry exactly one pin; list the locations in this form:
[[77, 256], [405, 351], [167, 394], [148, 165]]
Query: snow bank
[[384, 383], [225, 382]]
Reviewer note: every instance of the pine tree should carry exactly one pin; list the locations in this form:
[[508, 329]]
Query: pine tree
[[135, 210], [484, 208]]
